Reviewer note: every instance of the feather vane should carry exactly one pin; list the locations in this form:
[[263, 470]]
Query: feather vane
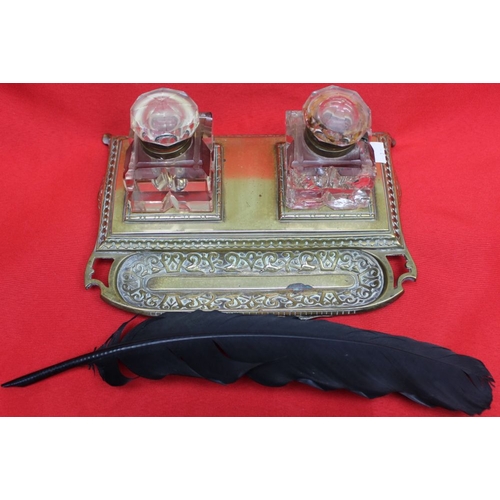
[[274, 351]]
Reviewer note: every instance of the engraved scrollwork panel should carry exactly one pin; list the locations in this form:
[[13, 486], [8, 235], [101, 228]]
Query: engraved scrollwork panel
[[168, 281]]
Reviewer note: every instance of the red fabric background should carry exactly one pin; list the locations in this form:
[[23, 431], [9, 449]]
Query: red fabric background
[[447, 161]]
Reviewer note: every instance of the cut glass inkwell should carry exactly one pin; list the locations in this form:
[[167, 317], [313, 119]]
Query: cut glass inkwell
[[330, 162], [305, 223], [170, 167]]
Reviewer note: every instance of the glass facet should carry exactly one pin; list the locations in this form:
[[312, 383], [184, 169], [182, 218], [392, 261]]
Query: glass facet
[[337, 116], [164, 117]]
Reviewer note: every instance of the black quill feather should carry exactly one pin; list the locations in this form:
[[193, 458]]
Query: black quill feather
[[275, 350]]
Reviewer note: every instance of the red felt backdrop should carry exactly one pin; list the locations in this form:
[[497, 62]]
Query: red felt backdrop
[[447, 160]]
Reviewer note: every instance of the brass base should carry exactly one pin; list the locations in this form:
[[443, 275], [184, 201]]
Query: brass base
[[252, 255]]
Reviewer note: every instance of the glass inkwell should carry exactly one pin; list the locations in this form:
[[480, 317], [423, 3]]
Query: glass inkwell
[[330, 162], [305, 223], [170, 166], [170, 161]]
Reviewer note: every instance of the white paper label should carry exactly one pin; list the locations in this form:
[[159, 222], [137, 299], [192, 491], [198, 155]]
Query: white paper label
[[378, 148]]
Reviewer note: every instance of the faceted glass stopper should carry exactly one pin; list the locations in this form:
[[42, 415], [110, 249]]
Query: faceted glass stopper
[[164, 117], [337, 116]]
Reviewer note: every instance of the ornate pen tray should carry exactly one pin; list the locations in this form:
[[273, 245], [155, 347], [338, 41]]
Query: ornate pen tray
[[251, 254]]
